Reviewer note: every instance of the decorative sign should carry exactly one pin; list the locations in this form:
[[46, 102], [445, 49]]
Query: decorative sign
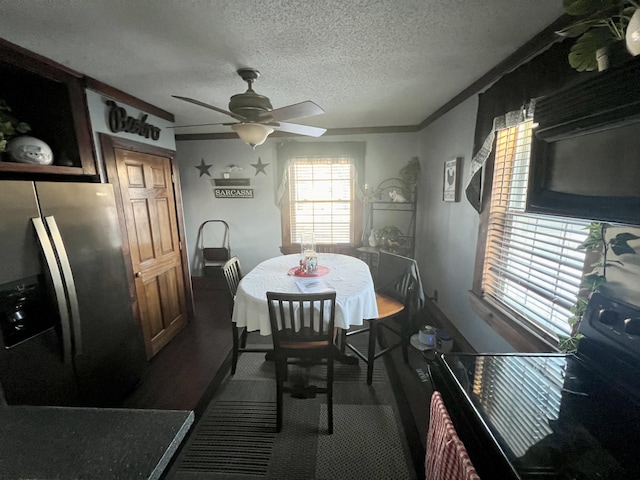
[[451, 180], [119, 121], [232, 182], [233, 192]]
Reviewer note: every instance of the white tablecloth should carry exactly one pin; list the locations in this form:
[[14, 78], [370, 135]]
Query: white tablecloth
[[349, 276]]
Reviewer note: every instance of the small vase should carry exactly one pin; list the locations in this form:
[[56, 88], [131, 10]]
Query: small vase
[[373, 240], [632, 37]]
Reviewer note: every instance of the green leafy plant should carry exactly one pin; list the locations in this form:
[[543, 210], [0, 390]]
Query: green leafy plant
[[9, 125], [600, 24], [409, 176], [390, 238], [593, 281]]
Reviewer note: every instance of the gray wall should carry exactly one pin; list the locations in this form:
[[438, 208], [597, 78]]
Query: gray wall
[[446, 231], [255, 223]]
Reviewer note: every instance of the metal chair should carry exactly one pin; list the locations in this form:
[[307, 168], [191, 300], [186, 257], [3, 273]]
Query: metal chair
[[302, 328], [211, 258], [397, 283], [233, 274]]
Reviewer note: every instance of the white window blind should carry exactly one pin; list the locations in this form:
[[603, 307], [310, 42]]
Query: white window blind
[[532, 265], [537, 384], [321, 195]]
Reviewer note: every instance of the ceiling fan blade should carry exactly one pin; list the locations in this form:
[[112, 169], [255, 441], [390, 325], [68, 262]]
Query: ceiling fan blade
[[203, 125], [301, 129], [297, 110], [210, 107]]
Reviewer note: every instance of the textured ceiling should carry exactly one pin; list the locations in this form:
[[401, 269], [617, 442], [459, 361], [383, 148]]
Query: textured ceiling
[[367, 63]]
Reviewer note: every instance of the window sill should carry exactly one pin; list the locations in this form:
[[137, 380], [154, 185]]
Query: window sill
[[522, 338], [344, 249]]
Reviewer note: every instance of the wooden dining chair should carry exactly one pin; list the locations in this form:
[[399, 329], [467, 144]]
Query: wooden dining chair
[[233, 274], [397, 282], [302, 329]]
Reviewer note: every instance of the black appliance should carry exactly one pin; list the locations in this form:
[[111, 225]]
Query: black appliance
[[584, 156], [67, 333], [552, 416]]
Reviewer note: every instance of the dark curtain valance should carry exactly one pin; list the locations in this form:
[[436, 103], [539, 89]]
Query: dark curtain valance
[[287, 151], [542, 75]]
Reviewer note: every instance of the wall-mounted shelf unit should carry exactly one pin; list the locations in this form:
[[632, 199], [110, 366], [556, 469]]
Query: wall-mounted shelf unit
[[51, 99], [381, 213]]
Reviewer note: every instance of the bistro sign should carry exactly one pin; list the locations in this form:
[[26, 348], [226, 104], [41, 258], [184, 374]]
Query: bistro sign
[[119, 121], [233, 192]]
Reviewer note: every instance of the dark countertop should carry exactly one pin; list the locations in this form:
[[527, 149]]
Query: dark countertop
[[88, 443]]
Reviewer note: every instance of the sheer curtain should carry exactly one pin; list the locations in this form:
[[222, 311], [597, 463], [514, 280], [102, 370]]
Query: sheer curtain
[[354, 152], [502, 104]]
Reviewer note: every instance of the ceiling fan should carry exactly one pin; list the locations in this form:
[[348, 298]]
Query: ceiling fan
[[256, 117]]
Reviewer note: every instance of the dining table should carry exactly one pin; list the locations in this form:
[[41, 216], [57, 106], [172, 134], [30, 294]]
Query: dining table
[[349, 276]]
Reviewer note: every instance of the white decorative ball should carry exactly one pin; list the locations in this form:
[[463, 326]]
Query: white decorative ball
[[26, 149], [632, 36]]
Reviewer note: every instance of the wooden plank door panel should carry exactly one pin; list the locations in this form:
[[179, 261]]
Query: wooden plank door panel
[[150, 214]]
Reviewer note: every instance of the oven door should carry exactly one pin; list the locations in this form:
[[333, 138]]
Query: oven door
[[531, 416], [484, 450]]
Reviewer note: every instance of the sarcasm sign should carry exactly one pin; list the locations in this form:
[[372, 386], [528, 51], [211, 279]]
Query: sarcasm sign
[[233, 192]]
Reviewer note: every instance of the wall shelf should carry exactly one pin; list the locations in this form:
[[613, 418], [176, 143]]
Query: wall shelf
[[51, 99], [380, 212]]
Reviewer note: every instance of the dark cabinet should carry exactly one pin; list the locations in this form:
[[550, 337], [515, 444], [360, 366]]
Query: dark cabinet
[[585, 153], [51, 99]]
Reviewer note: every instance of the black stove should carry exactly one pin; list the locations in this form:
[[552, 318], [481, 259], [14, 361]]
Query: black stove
[[533, 416]]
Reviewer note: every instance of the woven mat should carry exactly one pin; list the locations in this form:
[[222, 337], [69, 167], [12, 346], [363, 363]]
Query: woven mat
[[235, 438]]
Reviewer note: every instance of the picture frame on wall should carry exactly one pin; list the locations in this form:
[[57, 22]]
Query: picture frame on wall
[[451, 180]]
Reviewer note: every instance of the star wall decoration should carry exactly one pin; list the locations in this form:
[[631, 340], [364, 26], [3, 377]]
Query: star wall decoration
[[260, 167], [204, 168]]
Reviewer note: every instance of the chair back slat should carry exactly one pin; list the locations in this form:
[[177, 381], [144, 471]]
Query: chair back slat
[[233, 275], [399, 278], [301, 317]]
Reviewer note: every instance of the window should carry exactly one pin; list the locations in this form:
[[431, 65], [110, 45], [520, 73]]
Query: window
[[319, 195], [531, 268]]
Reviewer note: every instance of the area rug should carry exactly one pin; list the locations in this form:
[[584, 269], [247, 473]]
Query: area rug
[[235, 437]]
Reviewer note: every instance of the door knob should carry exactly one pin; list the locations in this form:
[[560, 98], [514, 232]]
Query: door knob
[[138, 274]]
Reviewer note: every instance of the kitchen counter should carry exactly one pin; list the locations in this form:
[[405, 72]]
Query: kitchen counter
[[95, 443]]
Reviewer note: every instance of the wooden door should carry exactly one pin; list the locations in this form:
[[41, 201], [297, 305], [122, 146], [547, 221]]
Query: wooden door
[[148, 206]]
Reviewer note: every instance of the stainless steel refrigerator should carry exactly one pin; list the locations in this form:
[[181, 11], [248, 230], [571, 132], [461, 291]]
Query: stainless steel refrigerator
[[68, 335]]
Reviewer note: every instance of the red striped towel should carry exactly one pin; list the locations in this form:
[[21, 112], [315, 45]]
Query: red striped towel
[[446, 457]]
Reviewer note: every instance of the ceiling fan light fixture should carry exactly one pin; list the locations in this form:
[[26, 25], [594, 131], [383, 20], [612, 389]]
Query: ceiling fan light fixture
[[253, 134]]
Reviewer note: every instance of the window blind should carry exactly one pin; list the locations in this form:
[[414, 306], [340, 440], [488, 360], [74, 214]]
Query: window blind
[[537, 384], [321, 199], [532, 265]]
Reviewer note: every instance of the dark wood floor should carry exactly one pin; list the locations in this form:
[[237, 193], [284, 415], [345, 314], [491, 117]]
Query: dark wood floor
[[177, 378], [178, 375]]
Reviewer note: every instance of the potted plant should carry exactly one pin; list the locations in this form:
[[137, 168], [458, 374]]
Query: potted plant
[[599, 31], [409, 175], [9, 125], [598, 242]]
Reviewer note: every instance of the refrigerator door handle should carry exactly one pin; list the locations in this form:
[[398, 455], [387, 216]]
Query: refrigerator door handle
[[70, 283], [58, 286]]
